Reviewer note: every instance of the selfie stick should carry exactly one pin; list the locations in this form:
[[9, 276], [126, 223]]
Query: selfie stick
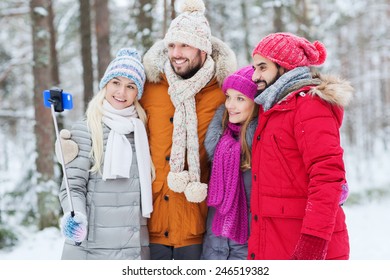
[[56, 106], [62, 161]]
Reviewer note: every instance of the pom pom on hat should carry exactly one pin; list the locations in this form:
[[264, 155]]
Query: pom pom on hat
[[241, 80], [291, 51], [191, 27], [193, 6], [127, 63]]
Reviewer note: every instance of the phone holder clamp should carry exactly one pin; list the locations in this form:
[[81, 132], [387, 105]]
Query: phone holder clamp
[[56, 99]]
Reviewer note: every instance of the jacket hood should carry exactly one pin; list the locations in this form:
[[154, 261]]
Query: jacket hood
[[333, 90], [223, 56]]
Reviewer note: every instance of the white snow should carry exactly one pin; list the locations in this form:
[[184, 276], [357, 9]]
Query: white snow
[[42, 245], [368, 224], [41, 11]]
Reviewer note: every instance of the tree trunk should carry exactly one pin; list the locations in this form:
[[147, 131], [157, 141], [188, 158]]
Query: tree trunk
[[53, 51], [86, 54], [173, 12], [102, 26], [278, 22], [55, 74], [44, 124], [42, 80]]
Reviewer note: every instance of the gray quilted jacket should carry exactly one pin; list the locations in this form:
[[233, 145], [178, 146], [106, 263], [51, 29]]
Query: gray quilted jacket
[[116, 228], [216, 247]]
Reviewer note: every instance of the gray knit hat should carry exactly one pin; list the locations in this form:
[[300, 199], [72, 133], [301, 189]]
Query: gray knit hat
[[191, 27], [126, 64]]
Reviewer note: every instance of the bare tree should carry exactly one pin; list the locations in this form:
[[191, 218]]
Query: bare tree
[[53, 51], [86, 52], [277, 20], [42, 80], [173, 12], [55, 74], [102, 29], [43, 122]]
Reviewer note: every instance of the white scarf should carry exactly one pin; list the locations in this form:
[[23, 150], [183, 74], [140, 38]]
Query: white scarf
[[119, 153], [185, 121]]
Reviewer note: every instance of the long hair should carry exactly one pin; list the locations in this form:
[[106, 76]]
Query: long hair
[[246, 153], [94, 116]]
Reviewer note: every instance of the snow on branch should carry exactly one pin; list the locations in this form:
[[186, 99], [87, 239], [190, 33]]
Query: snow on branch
[[41, 11], [14, 12], [12, 114]]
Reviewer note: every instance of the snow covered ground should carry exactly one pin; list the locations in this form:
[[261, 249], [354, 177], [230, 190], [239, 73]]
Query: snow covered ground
[[368, 224]]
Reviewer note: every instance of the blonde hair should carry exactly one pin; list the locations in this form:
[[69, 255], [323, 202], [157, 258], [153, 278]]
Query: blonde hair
[[246, 153], [94, 116]]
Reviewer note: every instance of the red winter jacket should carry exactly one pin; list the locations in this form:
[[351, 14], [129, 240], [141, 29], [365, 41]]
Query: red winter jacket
[[298, 172]]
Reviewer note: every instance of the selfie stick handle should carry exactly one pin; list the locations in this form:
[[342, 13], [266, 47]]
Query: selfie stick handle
[[62, 160]]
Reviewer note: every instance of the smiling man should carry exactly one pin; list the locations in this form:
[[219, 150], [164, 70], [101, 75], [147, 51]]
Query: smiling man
[[298, 174], [184, 73]]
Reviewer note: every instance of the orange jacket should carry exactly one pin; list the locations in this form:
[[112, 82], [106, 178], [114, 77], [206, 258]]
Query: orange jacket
[[175, 221]]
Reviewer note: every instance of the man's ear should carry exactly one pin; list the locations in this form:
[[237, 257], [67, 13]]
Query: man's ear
[[282, 70], [203, 55]]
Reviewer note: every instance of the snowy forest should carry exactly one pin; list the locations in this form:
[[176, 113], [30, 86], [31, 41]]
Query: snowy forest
[[69, 43]]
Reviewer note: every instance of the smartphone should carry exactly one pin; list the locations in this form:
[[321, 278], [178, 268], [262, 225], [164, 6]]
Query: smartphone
[[62, 100]]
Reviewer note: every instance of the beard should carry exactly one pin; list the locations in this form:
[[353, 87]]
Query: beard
[[191, 69], [267, 85], [190, 72]]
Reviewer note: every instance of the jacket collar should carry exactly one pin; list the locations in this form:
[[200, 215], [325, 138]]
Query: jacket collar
[[331, 89]]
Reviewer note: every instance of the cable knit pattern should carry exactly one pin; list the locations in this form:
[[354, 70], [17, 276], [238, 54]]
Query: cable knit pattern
[[291, 51], [185, 131], [226, 189]]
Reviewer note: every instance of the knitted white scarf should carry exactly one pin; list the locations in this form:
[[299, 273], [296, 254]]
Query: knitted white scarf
[[185, 131], [119, 153]]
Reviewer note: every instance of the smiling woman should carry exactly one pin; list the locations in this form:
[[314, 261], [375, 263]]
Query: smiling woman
[[238, 106], [113, 162], [228, 144], [121, 92]]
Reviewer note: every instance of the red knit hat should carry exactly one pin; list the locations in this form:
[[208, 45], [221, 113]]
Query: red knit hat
[[241, 80], [290, 51]]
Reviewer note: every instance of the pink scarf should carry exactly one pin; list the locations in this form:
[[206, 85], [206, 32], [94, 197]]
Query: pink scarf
[[226, 188]]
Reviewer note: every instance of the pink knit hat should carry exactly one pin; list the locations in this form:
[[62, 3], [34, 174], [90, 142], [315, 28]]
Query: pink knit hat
[[290, 51], [241, 80]]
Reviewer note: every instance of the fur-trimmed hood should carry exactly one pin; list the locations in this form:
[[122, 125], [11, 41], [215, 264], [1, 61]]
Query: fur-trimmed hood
[[223, 56], [333, 90]]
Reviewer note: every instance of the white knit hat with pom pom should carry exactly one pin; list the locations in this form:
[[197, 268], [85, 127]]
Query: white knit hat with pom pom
[[191, 27]]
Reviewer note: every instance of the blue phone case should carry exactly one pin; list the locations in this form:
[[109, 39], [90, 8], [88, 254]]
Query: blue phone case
[[67, 100]]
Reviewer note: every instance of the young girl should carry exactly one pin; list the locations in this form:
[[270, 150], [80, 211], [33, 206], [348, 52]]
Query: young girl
[[110, 179], [228, 197]]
